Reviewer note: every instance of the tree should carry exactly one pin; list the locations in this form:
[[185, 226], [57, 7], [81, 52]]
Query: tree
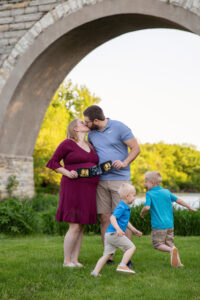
[[68, 103]]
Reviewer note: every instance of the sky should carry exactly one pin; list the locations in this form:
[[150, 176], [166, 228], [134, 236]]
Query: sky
[[149, 80]]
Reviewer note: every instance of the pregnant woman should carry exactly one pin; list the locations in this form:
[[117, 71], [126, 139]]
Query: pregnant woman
[[77, 204]]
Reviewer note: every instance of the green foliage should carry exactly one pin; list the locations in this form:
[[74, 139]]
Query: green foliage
[[49, 225], [42, 202], [186, 222], [11, 185], [178, 165], [67, 104], [37, 215], [141, 224], [18, 217]]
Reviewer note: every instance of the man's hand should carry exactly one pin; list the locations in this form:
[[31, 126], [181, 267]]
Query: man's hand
[[120, 232], [118, 164]]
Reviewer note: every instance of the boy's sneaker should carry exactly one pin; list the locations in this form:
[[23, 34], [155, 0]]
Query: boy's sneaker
[[125, 269], [174, 257]]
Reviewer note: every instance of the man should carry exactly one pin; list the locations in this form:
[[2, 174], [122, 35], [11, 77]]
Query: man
[[111, 140]]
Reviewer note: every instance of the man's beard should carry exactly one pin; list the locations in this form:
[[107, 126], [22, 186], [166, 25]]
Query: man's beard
[[94, 127]]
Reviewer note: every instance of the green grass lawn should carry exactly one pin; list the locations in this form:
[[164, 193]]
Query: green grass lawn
[[31, 268]]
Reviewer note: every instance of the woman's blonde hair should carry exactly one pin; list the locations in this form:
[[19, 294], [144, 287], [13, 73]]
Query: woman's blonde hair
[[125, 189], [71, 133], [154, 177]]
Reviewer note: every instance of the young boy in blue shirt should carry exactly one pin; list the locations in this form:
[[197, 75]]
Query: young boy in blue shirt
[[159, 201], [115, 234]]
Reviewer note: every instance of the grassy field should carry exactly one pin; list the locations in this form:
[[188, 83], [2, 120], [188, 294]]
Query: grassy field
[[31, 268]]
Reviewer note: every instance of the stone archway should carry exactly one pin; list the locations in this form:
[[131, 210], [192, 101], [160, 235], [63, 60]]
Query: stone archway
[[48, 51]]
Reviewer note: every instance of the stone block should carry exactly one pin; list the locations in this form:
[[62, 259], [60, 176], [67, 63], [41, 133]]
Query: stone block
[[4, 42], [47, 20], [4, 27], [17, 26], [6, 20], [29, 24], [31, 10], [47, 7], [5, 13], [42, 2], [28, 17], [17, 12], [15, 33]]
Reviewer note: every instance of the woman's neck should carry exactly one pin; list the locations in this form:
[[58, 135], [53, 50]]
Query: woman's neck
[[81, 138]]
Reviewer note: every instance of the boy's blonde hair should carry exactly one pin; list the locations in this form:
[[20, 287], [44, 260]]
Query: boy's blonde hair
[[125, 189], [154, 177]]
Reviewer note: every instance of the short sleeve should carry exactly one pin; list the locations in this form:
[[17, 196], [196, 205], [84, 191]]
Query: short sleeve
[[118, 211], [62, 150], [125, 132], [173, 197], [148, 200]]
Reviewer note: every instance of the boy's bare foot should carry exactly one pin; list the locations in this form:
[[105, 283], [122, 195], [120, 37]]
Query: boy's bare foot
[[174, 257]]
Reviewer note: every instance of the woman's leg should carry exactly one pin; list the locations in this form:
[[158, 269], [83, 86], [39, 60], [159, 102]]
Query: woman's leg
[[70, 240], [77, 246]]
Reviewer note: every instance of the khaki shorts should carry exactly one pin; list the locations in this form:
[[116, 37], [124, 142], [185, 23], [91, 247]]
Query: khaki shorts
[[162, 236], [107, 195], [112, 242]]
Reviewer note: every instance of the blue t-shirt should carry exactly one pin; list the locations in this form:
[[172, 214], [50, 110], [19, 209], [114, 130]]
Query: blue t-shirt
[[122, 213], [160, 202], [109, 145]]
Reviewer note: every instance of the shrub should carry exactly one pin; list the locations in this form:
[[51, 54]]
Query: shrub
[[11, 185], [50, 225], [42, 202], [18, 217]]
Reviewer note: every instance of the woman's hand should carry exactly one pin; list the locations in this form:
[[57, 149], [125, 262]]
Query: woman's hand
[[72, 174]]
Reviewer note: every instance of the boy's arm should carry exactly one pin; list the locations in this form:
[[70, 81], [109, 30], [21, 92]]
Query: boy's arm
[[144, 211], [114, 223], [181, 202], [134, 230]]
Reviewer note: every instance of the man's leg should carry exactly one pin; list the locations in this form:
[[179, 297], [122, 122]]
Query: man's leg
[[105, 221]]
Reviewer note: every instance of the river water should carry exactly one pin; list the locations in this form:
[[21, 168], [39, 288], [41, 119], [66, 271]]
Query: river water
[[193, 199]]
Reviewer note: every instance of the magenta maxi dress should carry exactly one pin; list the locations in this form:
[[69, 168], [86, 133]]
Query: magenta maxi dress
[[77, 196]]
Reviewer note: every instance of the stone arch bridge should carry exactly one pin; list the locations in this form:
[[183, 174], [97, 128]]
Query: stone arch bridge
[[41, 41]]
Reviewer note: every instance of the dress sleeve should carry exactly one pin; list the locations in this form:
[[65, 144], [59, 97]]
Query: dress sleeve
[[62, 150]]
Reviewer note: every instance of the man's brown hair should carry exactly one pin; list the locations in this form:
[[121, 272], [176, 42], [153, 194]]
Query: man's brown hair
[[94, 112]]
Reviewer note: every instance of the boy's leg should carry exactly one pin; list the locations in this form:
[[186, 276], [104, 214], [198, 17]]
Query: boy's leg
[[101, 262], [127, 255], [175, 259]]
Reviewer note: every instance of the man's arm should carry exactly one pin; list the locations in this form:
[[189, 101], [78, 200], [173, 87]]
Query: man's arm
[[144, 211], [134, 230], [134, 152], [181, 202]]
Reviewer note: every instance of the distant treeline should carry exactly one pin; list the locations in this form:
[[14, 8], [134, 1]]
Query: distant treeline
[[178, 165]]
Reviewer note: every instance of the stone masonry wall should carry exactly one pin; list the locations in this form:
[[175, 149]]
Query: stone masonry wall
[[22, 21], [20, 166]]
